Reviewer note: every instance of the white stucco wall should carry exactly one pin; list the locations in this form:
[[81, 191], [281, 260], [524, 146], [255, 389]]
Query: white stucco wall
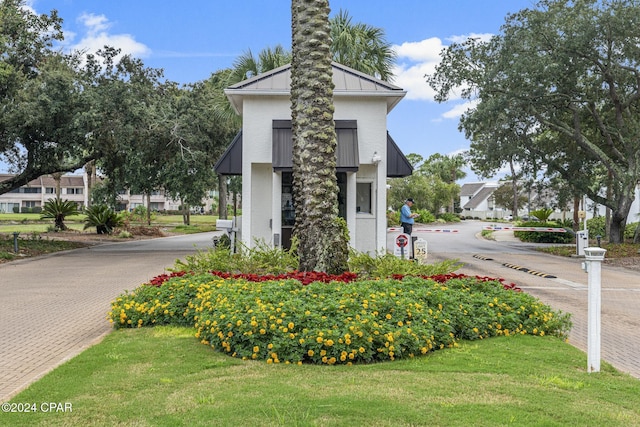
[[261, 188], [257, 134], [369, 232]]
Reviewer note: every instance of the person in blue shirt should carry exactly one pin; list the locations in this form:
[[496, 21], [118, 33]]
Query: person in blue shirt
[[406, 217]]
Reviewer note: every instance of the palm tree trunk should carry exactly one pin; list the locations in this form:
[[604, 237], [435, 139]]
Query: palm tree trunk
[[322, 244]]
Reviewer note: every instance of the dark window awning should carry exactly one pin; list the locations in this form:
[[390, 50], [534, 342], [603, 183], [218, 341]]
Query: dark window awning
[[347, 159], [397, 164], [231, 161]]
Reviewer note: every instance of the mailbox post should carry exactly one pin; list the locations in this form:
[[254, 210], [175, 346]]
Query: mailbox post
[[593, 266], [229, 227]]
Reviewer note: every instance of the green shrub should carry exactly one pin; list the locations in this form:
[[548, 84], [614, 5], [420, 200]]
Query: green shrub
[[543, 236], [260, 259], [630, 230], [449, 217], [386, 265], [138, 214], [333, 323], [150, 305], [597, 226], [103, 218], [393, 218], [425, 217]]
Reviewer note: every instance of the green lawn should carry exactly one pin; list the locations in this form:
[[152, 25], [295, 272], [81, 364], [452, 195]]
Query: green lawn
[[163, 376], [31, 223]]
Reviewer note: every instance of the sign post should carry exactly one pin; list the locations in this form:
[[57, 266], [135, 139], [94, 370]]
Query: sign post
[[420, 250], [401, 247]]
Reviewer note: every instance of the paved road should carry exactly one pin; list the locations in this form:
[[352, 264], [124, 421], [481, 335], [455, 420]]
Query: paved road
[[53, 307]]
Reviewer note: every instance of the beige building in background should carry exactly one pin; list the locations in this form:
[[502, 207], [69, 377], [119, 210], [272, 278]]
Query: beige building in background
[[75, 188]]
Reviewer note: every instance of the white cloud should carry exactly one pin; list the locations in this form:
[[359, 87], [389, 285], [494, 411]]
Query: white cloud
[[418, 59], [459, 109], [427, 50], [485, 37], [94, 23], [96, 36]]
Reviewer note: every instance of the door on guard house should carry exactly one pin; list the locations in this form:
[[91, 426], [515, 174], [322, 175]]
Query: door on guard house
[[288, 212]]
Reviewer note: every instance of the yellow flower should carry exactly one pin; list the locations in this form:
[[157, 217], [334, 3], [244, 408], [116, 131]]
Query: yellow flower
[[388, 316], [310, 353], [256, 349]]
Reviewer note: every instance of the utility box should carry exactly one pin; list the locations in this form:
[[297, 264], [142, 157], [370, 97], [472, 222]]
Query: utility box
[[582, 241]]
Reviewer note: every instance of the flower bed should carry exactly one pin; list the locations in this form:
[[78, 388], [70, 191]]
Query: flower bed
[[335, 319]]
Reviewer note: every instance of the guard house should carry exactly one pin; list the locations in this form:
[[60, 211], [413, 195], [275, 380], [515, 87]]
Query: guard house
[[262, 154]]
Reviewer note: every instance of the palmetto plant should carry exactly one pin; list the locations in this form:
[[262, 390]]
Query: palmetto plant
[[58, 210], [103, 218], [542, 214]]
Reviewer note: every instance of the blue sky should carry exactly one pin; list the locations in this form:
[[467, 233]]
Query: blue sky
[[191, 39]]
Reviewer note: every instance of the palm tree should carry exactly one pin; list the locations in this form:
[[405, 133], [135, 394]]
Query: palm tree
[[448, 168], [322, 244], [361, 47], [58, 210], [247, 65]]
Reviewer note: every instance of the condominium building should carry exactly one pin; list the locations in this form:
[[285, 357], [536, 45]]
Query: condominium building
[[31, 197]]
